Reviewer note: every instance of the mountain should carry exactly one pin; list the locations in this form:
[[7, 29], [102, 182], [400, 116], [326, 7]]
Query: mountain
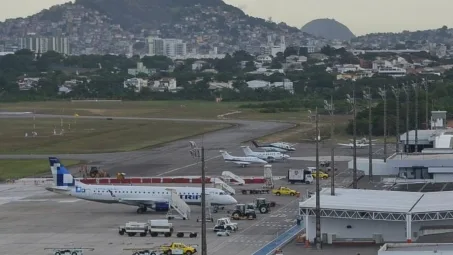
[[329, 29], [109, 26]]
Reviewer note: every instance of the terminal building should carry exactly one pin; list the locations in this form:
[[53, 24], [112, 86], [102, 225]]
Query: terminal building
[[429, 159], [377, 216]]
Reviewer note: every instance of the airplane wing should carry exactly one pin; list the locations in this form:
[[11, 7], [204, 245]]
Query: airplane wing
[[241, 163], [141, 201], [344, 144]]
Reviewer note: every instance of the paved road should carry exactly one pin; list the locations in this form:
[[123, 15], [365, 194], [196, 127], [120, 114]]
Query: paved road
[[173, 158]]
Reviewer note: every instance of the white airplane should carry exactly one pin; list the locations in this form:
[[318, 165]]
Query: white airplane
[[268, 156], [242, 161], [362, 140], [275, 147], [359, 145], [142, 196]]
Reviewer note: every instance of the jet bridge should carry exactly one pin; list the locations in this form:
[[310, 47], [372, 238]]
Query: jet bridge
[[218, 183], [178, 205], [227, 176]]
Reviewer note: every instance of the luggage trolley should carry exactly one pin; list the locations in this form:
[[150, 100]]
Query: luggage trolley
[[68, 251]]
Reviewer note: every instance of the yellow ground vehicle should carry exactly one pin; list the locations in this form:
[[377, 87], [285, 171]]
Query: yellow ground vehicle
[[177, 248], [284, 191], [322, 174]]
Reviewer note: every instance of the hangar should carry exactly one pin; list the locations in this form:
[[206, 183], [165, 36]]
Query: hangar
[[377, 216]]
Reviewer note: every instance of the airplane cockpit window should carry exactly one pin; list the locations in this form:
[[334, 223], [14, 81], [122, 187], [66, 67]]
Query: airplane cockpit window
[[221, 193]]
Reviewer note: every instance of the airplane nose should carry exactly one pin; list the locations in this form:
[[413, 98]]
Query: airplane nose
[[233, 200]]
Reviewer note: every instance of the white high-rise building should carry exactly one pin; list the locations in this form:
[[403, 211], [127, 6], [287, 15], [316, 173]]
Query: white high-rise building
[[166, 47], [44, 44]]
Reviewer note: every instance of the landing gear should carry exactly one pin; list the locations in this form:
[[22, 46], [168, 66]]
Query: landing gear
[[141, 210]]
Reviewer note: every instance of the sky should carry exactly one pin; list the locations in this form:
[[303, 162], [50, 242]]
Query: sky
[[361, 16]]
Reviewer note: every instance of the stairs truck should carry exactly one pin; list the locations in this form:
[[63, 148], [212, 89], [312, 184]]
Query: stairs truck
[[300, 175]]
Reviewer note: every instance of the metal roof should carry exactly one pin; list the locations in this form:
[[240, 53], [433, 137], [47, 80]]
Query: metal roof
[[417, 247], [381, 201], [365, 200], [421, 156], [427, 135], [434, 202]]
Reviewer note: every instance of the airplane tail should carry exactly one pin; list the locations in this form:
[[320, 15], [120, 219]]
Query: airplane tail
[[225, 155], [193, 145], [247, 150], [61, 176], [255, 144]]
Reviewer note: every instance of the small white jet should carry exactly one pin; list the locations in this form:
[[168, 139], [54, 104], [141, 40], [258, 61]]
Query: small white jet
[[359, 145], [144, 197], [242, 161], [268, 156], [275, 147], [363, 140]]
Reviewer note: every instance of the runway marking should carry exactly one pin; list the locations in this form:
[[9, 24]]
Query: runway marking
[[221, 245], [180, 168]]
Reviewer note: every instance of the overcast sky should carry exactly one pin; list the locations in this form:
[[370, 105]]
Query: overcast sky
[[361, 16]]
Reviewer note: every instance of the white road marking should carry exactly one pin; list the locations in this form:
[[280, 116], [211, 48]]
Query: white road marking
[[180, 168], [238, 235]]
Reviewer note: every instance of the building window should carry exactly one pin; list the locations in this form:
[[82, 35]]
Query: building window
[[416, 172]]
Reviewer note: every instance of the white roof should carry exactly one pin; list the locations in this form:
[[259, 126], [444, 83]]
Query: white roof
[[381, 201]]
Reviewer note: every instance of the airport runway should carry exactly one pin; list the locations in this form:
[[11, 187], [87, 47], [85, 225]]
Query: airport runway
[[173, 158]]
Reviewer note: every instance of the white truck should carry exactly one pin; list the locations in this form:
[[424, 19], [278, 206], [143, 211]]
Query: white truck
[[132, 228], [300, 175], [225, 224], [157, 227]]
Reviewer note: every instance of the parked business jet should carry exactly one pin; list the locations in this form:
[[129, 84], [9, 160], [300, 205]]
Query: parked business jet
[[268, 156], [275, 147], [242, 161], [359, 145], [142, 196], [362, 140]]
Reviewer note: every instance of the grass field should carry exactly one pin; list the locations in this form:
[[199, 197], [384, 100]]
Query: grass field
[[92, 136], [13, 169], [159, 109]]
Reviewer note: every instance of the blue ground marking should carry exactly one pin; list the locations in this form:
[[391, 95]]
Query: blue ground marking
[[280, 240]]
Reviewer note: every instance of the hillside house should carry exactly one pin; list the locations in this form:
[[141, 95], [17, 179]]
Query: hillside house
[[136, 83]]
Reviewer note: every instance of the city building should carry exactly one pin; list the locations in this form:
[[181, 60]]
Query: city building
[[141, 69], [45, 44], [136, 83], [392, 71], [376, 216], [166, 47], [260, 84], [273, 49], [164, 85]]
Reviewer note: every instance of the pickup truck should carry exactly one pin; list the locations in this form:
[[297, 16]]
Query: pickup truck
[[177, 248], [284, 191]]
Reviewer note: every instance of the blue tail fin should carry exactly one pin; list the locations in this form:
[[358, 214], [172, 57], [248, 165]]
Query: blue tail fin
[[61, 175]]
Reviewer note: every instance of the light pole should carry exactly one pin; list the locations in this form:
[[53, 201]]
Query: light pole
[[396, 93], [383, 94], [199, 153], [367, 96], [318, 202], [330, 108], [352, 101], [426, 88], [416, 88], [408, 94]]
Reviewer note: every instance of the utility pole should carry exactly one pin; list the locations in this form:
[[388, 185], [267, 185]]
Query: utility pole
[[318, 203], [195, 152], [408, 93], [204, 246], [367, 96], [425, 86], [416, 88], [396, 92], [352, 101], [383, 94], [330, 109]]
